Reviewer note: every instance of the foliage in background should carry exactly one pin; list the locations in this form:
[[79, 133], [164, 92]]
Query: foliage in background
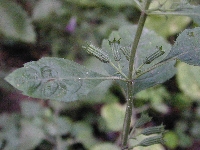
[[93, 21]]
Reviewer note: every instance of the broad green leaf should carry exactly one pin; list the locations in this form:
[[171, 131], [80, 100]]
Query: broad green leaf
[[186, 47], [196, 16], [147, 45], [191, 11], [44, 8], [178, 7], [102, 90], [155, 76], [14, 22], [166, 25], [55, 79], [188, 80]]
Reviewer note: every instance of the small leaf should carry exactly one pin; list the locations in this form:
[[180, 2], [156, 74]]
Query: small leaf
[[55, 79], [14, 22], [186, 47]]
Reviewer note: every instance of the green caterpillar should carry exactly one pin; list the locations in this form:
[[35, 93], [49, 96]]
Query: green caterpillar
[[155, 55], [97, 52], [115, 46], [126, 51]]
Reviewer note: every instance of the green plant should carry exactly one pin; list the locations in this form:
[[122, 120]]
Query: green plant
[[135, 57]]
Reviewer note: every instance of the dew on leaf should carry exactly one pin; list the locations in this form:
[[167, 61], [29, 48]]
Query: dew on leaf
[[48, 72], [191, 34], [49, 88], [31, 74], [19, 81], [53, 89]]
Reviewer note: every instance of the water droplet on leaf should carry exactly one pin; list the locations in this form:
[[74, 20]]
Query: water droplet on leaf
[[54, 88], [48, 72]]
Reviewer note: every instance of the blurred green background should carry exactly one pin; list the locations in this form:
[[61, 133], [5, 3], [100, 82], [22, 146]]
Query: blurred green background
[[31, 29]]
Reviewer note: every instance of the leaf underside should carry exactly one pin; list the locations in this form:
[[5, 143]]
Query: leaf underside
[[186, 47], [147, 45], [55, 79]]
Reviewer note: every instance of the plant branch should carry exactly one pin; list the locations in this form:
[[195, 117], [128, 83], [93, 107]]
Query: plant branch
[[174, 13], [127, 119]]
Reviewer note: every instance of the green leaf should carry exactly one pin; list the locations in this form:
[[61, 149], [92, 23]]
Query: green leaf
[[196, 16], [191, 11], [148, 45], [180, 8], [186, 47], [155, 76], [55, 79], [188, 80], [14, 22]]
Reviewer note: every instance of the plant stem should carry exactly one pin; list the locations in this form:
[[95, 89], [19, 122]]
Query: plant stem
[[129, 107]]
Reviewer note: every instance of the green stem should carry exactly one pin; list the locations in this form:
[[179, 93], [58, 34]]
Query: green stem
[[129, 107]]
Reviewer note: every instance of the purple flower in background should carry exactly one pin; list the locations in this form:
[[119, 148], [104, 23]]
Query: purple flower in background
[[71, 25]]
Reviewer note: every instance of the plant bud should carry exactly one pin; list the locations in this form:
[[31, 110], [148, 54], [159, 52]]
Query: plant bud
[[97, 52]]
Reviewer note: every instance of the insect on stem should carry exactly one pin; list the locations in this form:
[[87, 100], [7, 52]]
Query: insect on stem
[[155, 55]]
